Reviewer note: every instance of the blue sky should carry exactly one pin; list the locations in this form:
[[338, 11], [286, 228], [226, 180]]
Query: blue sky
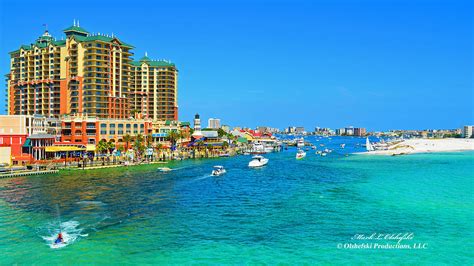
[[374, 64]]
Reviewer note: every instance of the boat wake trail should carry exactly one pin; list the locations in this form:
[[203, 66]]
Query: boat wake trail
[[202, 177], [70, 231]]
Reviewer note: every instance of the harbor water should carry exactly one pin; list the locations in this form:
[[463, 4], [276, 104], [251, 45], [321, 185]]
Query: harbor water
[[314, 210]]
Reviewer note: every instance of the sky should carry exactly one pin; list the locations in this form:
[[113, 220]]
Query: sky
[[382, 64]]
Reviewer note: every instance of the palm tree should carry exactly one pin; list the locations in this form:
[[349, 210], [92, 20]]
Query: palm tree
[[173, 137], [127, 138], [139, 143], [110, 146]]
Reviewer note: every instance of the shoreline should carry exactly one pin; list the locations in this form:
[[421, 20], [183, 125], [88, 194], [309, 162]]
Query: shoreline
[[413, 146], [103, 167]]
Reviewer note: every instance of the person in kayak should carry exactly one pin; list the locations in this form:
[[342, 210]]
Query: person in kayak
[[59, 239]]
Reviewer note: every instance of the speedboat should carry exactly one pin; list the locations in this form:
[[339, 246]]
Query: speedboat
[[218, 170], [258, 161], [343, 145], [164, 169], [300, 154], [300, 143]]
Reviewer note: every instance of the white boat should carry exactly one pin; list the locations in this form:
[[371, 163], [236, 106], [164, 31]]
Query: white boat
[[218, 170], [323, 154], [268, 148], [258, 148], [258, 161], [300, 154], [300, 143], [164, 169], [343, 145]]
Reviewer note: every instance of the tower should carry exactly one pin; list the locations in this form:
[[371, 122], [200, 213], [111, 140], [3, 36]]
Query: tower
[[197, 123]]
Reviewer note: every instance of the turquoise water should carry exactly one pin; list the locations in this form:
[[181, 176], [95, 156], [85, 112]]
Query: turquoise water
[[290, 211]]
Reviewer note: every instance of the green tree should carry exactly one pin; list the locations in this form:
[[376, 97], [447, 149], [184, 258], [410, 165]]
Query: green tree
[[110, 146], [138, 145], [173, 137], [102, 146], [221, 132], [225, 145]]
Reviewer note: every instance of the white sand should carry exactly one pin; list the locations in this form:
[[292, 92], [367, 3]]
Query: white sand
[[426, 145]]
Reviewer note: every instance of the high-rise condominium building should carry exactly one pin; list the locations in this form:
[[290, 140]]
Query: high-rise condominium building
[[89, 74], [154, 89], [214, 123]]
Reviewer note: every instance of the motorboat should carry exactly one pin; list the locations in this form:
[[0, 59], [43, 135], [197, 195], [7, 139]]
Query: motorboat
[[164, 169], [257, 148], [343, 145], [258, 161], [300, 154], [300, 143], [323, 154], [218, 170]]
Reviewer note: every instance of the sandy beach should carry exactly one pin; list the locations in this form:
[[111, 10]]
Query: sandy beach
[[426, 145]]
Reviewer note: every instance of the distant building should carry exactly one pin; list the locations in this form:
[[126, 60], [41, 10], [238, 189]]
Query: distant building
[[359, 131], [340, 131], [214, 123], [350, 131], [262, 129], [467, 132], [323, 131], [299, 130]]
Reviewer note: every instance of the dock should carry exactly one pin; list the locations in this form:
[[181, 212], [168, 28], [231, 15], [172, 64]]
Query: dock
[[27, 173]]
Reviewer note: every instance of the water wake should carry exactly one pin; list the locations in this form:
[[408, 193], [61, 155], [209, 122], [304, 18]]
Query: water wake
[[202, 177], [70, 231]]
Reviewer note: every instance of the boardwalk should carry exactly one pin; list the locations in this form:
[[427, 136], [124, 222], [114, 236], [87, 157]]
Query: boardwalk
[[27, 173]]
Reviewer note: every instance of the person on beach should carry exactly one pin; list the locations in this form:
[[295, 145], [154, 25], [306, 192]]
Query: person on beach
[[59, 239]]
